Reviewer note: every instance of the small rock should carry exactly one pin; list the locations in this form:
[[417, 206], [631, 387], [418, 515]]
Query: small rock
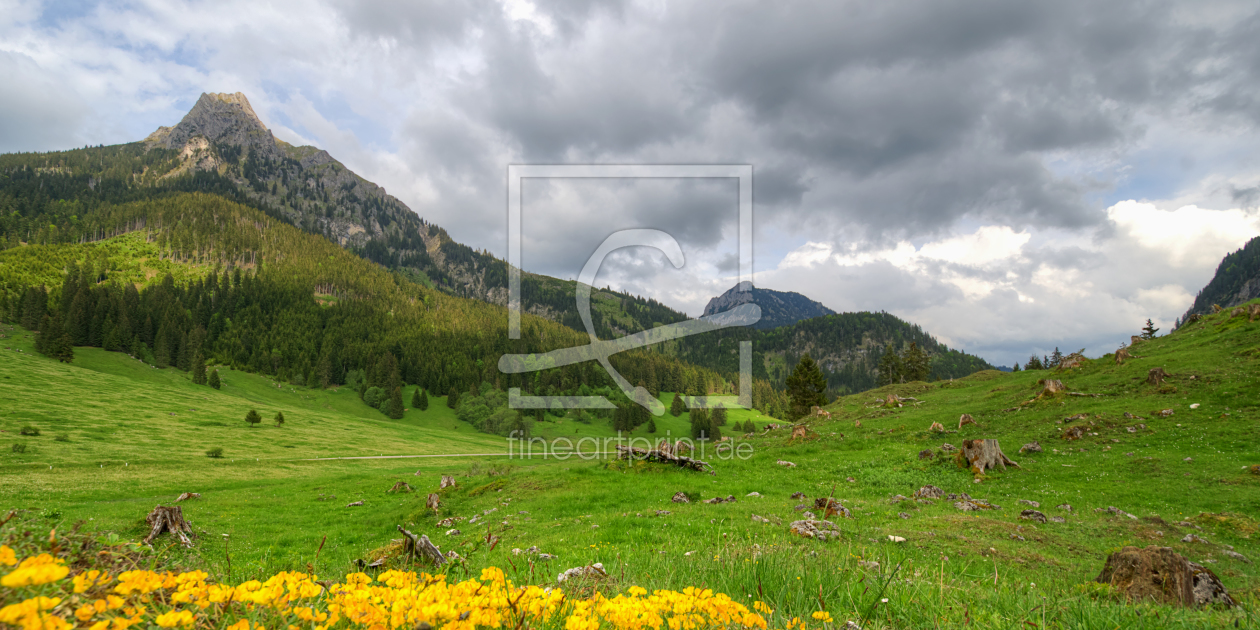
[[547, 557], [1165, 413], [896, 539], [1064, 506], [753, 494], [929, 492], [898, 499], [947, 447], [1194, 405], [1116, 511], [798, 495], [1032, 503], [1191, 538], [1031, 447], [800, 507], [1188, 459], [355, 504], [1057, 519], [1130, 429], [926, 454], [903, 515], [595, 571], [869, 564], [850, 479], [680, 497], [662, 512], [1033, 515], [453, 532], [786, 463], [819, 530], [1189, 524], [759, 519], [1235, 555], [1017, 537]]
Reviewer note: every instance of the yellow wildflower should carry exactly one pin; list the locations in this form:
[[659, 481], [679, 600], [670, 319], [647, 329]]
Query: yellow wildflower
[[40, 569], [175, 618], [7, 557], [822, 616]]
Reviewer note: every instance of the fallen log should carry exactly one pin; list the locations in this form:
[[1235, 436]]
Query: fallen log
[[168, 519], [661, 456], [982, 455], [421, 547]]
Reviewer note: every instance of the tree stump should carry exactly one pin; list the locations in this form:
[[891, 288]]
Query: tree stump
[[965, 419], [1156, 377], [1122, 355], [982, 455], [448, 481], [168, 519], [433, 502], [401, 486], [421, 547], [937, 427], [1253, 312], [1135, 340]]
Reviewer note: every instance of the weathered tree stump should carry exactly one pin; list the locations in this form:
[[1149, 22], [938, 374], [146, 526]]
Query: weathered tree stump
[[799, 431], [1135, 340], [1052, 386], [1122, 355], [1163, 575], [1156, 376], [401, 486], [982, 455], [421, 547], [168, 519], [937, 427], [1253, 312], [433, 502], [965, 419], [448, 481]]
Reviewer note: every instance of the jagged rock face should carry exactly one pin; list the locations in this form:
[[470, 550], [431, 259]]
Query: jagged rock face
[[778, 308], [222, 119]]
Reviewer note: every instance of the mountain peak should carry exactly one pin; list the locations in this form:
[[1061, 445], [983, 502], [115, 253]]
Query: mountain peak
[[220, 118], [778, 308]]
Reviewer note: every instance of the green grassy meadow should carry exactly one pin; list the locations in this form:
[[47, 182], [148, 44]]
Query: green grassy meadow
[[266, 504]]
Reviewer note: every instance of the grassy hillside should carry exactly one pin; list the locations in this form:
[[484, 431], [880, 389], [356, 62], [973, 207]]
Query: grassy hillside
[[955, 569]]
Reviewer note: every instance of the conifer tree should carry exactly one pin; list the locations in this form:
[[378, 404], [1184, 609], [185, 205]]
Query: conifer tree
[[1033, 363], [1149, 330], [1056, 357], [677, 407], [806, 387], [452, 399], [1016, 368], [749, 427], [396, 404], [424, 400], [198, 369], [718, 418], [715, 433], [214, 379], [915, 364], [700, 427], [889, 367], [279, 418], [252, 417], [651, 427], [415, 398]]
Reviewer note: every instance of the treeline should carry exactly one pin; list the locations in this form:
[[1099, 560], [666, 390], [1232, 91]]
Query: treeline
[[276, 301]]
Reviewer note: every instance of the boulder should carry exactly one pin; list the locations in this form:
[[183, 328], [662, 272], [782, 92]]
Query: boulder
[[1162, 575]]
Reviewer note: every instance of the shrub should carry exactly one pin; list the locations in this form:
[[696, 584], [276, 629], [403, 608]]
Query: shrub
[[214, 380], [29, 430], [252, 417], [279, 418], [214, 453], [19, 448], [372, 396], [62, 437]]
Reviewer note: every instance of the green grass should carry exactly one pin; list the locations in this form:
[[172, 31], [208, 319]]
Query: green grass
[[955, 569]]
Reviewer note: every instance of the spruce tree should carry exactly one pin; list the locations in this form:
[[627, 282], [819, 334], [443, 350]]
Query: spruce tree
[[677, 407], [806, 387], [198, 369], [651, 427], [715, 433], [749, 427], [252, 417], [1033, 363], [415, 398], [700, 427], [1149, 330], [396, 404], [279, 418], [915, 364], [889, 367], [1016, 368], [719, 416], [1056, 357], [424, 400], [452, 399], [214, 379]]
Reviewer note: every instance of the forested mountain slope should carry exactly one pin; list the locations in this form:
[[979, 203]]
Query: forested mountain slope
[[1237, 280]]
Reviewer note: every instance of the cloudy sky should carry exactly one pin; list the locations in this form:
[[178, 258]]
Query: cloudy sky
[[1013, 176]]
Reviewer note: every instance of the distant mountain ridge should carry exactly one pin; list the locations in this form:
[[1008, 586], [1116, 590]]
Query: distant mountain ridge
[[778, 308], [1237, 280]]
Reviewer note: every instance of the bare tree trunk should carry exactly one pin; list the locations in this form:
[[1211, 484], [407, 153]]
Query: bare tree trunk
[[421, 547], [982, 455], [169, 519]]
